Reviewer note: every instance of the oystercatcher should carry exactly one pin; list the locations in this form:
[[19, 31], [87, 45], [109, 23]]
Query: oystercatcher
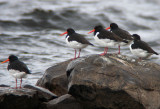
[[17, 68], [141, 48], [125, 35], [75, 40], [105, 38]]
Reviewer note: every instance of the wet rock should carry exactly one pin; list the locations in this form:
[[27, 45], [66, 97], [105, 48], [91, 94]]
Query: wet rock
[[55, 79], [114, 82], [44, 95], [63, 102], [18, 98]]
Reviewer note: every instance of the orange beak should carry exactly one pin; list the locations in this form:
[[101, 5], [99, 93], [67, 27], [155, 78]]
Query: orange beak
[[108, 28], [63, 33], [4, 61], [91, 31]]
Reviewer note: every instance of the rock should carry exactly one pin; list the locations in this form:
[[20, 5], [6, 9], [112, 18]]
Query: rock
[[44, 95], [55, 79], [63, 102], [18, 98], [114, 82], [29, 97]]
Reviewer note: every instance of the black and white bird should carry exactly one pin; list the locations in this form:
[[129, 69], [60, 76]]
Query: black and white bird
[[125, 35], [17, 68], [105, 38], [141, 48], [76, 41]]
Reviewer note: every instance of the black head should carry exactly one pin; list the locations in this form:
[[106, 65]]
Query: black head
[[12, 58], [98, 28], [136, 37], [113, 26], [70, 31]]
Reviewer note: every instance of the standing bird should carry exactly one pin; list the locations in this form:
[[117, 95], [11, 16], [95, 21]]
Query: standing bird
[[75, 40], [105, 38], [17, 68], [125, 35], [141, 48]]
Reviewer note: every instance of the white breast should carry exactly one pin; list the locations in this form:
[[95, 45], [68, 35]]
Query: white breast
[[17, 74], [75, 44], [140, 52], [105, 42]]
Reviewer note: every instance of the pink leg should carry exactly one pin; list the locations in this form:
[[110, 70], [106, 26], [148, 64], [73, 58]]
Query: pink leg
[[20, 83], [119, 49], [140, 59], [79, 53], [74, 55], [105, 51], [16, 83]]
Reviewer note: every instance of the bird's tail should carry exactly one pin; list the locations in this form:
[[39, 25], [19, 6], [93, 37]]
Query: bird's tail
[[91, 44], [156, 53], [28, 72]]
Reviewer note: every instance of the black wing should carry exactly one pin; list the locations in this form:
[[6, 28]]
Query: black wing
[[79, 38], [123, 34], [18, 65], [143, 45], [109, 35]]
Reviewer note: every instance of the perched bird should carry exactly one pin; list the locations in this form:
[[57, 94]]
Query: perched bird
[[76, 41], [125, 35], [141, 48], [17, 68], [105, 38]]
